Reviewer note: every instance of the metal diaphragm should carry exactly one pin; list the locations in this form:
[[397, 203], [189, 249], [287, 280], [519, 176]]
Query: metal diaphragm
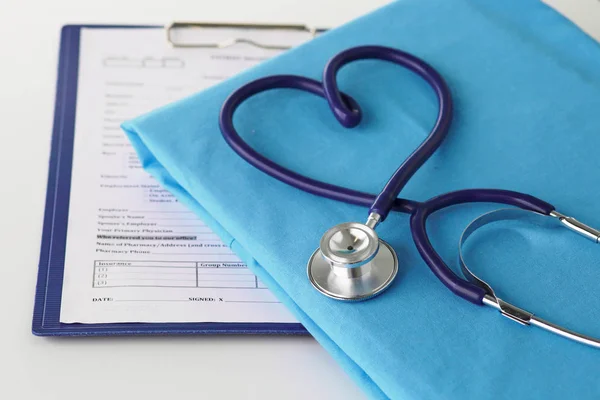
[[352, 263]]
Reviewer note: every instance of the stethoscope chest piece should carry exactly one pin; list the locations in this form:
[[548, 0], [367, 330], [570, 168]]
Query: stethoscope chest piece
[[352, 263]]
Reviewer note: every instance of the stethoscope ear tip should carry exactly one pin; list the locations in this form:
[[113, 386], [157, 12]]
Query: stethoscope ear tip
[[352, 263]]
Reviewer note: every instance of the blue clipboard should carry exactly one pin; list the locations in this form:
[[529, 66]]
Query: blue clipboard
[[46, 315]]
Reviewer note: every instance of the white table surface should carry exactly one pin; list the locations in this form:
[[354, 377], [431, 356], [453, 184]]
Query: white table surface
[[121, 368]]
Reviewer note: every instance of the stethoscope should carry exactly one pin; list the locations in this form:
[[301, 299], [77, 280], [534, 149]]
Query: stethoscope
[[352, 262]]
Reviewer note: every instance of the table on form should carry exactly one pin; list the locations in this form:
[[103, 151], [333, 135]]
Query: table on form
[[200, 274]]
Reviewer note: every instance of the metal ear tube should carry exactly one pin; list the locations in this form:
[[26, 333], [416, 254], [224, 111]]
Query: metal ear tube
[[507, 309]]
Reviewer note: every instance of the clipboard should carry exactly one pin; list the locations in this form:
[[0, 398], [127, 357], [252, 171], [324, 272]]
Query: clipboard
[[46, 315]]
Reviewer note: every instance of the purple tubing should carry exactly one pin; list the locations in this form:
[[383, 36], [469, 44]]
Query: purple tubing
[[349, 114], [275, 170], [418, 219]]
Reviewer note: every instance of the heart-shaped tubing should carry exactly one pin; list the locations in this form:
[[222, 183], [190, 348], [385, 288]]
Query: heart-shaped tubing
[[277, 171], [348, 113]]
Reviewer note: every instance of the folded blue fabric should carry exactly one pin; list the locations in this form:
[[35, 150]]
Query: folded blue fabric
[[526, 84]]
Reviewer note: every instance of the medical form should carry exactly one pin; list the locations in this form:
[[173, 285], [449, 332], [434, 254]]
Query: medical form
[[133, 252]]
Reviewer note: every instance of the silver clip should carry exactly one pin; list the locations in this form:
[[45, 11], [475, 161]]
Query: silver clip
[[511, 311], [234, 40], [578, 227]]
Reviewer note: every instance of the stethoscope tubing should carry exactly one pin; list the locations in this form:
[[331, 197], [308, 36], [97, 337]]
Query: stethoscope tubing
[[347, 111], [418, 227], [275, 170], [350, 117]]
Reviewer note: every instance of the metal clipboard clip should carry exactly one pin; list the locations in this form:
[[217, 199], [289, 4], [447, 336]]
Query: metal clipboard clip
[[230, 41]]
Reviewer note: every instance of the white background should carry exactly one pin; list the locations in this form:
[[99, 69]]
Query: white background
[[135, 367]]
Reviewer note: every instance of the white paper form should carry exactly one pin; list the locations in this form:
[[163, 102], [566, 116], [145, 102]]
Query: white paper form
[[133, 253]]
